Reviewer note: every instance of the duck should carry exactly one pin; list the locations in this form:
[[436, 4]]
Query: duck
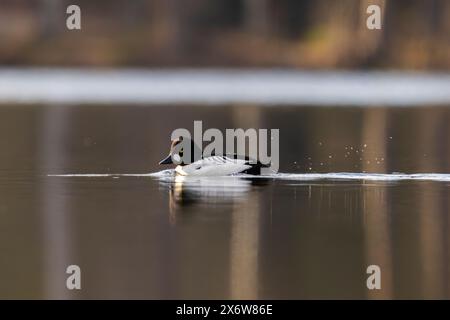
[[214, 165]]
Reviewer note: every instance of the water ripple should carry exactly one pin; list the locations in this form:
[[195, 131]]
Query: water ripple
[[290, 176]]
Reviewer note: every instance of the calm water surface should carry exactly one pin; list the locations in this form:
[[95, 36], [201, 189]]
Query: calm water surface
[[136, 234]]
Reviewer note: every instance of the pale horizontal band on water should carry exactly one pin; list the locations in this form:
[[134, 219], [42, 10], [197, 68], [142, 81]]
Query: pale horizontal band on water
[[215, 86], [284, 176]]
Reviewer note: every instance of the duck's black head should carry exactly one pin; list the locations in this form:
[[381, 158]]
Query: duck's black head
[[181, 152]]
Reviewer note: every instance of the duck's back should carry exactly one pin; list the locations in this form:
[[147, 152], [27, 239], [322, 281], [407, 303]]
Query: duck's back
[[219, 166]]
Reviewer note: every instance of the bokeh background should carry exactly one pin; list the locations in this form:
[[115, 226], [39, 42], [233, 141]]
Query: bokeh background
[[319, 34]]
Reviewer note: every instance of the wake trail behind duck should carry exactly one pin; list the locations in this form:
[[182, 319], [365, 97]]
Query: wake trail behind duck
[[287, 176]]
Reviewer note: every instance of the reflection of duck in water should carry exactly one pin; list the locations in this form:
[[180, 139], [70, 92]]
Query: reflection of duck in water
[[215, 165], [186, 193]]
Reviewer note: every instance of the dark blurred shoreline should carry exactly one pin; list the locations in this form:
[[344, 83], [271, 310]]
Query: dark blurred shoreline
[[320, 34]]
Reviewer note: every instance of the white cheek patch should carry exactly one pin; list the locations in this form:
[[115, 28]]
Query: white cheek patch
[[176, 158]]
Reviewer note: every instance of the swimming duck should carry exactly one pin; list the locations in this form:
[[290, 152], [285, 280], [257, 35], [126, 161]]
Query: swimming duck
[[214, 165]]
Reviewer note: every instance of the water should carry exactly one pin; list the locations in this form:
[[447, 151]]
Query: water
[[171, 176], [357, 186]]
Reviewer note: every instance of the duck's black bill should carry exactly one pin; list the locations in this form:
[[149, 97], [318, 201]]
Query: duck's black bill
[[167, 160]]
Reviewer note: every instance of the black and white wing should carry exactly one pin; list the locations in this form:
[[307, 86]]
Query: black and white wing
[[215, 166]]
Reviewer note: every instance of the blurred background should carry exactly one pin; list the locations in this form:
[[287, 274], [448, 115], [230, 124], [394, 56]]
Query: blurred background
[[319, 34], [105, 99]]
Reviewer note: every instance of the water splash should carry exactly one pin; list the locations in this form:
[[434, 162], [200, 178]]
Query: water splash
[[364, 176]]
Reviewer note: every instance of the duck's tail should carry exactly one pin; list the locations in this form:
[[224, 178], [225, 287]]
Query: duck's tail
[[264, 165]]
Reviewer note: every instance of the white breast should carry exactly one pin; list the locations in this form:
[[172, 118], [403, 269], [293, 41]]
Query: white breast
[[213, 166]]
